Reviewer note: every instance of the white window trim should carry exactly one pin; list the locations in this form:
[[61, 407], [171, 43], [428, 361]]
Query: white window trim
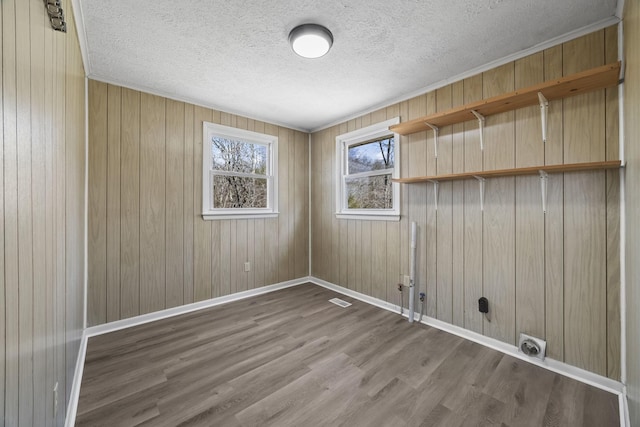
[[271, 211], [374, 131]]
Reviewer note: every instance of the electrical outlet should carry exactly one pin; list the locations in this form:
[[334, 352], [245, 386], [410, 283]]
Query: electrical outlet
[[407, 281], [247, 266], [55, 400]]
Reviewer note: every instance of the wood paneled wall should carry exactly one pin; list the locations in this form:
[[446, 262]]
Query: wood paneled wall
[[631, 21], [42, 171], [554, 276], [149, 248]]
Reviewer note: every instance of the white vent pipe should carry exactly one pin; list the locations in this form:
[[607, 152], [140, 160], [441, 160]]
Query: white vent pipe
[[412, 271]]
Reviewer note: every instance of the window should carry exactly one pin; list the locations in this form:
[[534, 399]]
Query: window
[[239, 173], [367, 160]]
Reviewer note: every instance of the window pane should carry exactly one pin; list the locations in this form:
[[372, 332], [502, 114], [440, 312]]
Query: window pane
[[374, 155], [239, 192], [238, 156], [372, 192]]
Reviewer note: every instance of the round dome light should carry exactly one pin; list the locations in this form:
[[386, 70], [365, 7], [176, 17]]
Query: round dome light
[[310, 40]]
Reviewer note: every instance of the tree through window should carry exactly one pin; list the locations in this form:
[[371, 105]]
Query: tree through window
[[366, 160], [238, 171]]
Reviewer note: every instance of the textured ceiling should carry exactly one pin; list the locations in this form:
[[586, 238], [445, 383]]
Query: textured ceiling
[[234, 55]]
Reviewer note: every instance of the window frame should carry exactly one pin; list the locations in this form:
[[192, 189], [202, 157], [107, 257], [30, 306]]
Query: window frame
[[210, 130], [346, 140]]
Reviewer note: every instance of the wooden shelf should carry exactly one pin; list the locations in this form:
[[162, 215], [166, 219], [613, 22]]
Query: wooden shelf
[[575, 84], [533, 170]]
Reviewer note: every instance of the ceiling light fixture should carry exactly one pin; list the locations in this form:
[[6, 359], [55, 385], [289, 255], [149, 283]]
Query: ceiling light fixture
[[310, 40]]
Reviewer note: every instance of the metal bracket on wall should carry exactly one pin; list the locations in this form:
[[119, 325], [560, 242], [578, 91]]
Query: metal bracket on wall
[[436, 186], [544, 177], [544, 114], [480, 118], [481, 185], [436, 130]]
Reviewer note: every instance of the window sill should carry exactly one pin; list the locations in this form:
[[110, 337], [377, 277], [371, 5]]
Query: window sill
[[213, 217], [369, 217]]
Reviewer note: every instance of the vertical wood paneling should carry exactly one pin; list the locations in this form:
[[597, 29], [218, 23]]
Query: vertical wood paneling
[[38, 202], [187, 208], [404, 206], [457, 208], [98, 203], [631, 112], [613, 274], [174, 182], [393, 235], [334, 227], [393, 260], [554, 267], [283, 200], [429, 238], [129, 202], [10, 123], [351, 254], [554, 217], [271, 239], [415, 147], [225, 257], [584, 138], [60, 214], [291, 241], [585, 281], [250, 245], [613, 215], [379, 259], [498, 243], [61, 230], [241, 255], [112, 202], [585, 272], [25, 213], [523, 260], [169, 255], [301, 196], [49, 105], [3, 348], [444, 232], [152, 203], [41, 210], [201, 229], [75, 207], [529, 217], [472, 88]]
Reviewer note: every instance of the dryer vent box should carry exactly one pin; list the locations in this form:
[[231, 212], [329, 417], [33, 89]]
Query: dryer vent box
[[532, 346]]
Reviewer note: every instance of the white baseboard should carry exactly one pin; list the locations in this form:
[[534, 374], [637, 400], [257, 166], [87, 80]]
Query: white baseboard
[[561, 368], [187, 308], [150, 317]]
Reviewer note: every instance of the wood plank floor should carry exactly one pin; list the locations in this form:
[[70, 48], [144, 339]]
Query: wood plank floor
[[291, 358]]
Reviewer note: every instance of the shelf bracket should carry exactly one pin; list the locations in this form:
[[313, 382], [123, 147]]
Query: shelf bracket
[[480, 118], [544, 177], [481, 184], [544, 114], [436, 186], [436, 130]]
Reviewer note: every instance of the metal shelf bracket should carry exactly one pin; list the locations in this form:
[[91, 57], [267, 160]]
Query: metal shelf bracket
[[481, 188], [544, 178], [480, 118], [436, 188], [544, 114], [436, 130]]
